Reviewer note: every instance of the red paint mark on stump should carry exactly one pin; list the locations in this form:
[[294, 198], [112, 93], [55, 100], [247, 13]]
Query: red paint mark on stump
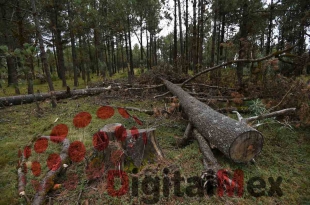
[[100, 141], [144, 135], [120, 133], [134, 132]]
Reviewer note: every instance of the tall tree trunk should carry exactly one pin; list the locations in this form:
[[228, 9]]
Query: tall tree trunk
[[181, 33], [222, 35], [175, 37], [170, 54], [186, 38], [42, 50], [155, 51], [268, 46], [55, 54], [12, 72], [97, 45], [73, 48], [59, 46], [91, 60], [131, 72], [194, 40], [109, 58], [147, 51], [127, 51], [122, 52], [21, 41], [82, 62], [213, 73], [243, 42], [141, 44], [150, 49], [202, 11]]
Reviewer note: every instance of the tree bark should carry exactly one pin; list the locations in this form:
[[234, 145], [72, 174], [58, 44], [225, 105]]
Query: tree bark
[[208, 157], [23, 99], [73, 48], [194, 39], [43, 54], [131, 71], [236, 140], [175, 38], [181, 33]]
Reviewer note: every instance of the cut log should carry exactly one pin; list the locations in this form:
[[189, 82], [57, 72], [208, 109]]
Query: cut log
[[236, 140]]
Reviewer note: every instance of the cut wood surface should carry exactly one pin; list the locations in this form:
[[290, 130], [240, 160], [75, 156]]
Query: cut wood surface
[[236, 140]]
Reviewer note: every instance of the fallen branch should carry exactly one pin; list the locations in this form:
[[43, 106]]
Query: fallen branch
[[237, 61], [210, 161], [186, 137], [269, 115], [147, 87], [211, 86], [282, 98], [48, 180], [22, 99], [223, 99], [162, 95]]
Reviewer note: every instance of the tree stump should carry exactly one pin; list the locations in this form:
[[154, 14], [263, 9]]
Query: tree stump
[[127, 148]]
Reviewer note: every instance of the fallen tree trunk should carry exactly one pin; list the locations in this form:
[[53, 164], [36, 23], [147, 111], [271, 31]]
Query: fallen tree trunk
[[22, 99], [236, 140]]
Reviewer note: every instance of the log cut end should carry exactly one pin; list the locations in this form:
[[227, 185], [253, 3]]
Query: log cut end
[[246, 146]]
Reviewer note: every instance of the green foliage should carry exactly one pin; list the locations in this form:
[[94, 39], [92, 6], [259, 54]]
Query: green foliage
[[4, 49], [257, 107]]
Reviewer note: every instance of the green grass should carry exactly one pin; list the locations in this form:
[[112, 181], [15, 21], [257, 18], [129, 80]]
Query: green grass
[[43, 88], [285, 153]]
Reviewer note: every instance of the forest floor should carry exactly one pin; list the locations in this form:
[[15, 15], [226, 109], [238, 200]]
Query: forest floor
[[285, 153]]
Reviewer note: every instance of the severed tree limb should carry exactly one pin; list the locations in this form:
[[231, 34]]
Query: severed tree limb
[[48, 181], [237, 61], [272, 114], [162, 95], [210, 161], [281, 99], [223, 99], [211, 86], [186, 137], [147, 87], [240, 118]]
